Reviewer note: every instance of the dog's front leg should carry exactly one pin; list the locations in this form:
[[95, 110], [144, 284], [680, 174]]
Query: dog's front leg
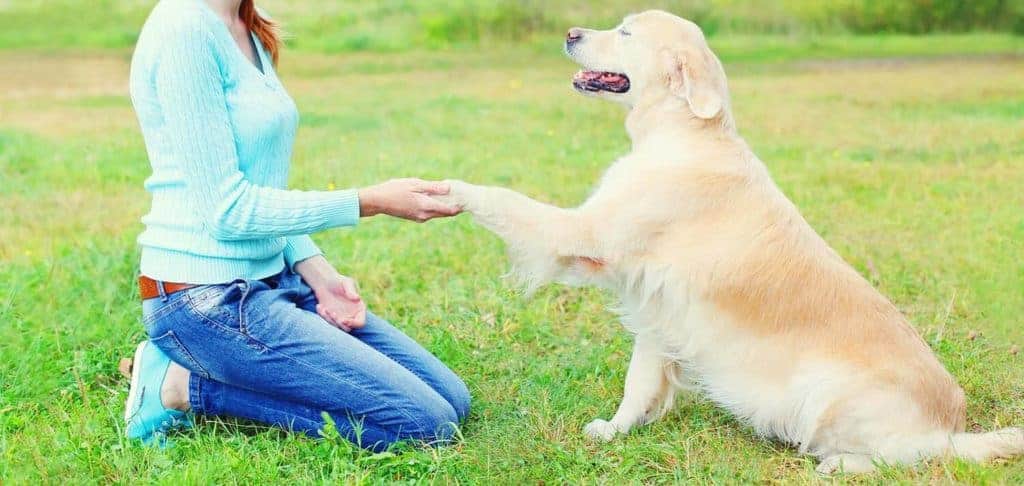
[[647, 395], [515, 217], [543, 240]]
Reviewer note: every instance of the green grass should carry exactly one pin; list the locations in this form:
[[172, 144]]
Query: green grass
[[910, 168]]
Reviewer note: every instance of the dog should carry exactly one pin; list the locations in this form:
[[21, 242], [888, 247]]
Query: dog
[[725, 286]]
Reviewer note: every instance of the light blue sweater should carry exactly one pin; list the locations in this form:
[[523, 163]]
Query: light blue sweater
[[219, 135]]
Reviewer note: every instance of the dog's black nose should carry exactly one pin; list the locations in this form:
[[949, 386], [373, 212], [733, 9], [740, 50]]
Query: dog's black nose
[[574, 36]]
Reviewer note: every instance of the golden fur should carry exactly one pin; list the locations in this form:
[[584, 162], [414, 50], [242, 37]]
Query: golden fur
[[724, 284]]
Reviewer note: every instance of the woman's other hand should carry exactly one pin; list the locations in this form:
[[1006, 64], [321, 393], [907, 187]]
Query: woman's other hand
[[338, 299], [407, 199], [339, 303]]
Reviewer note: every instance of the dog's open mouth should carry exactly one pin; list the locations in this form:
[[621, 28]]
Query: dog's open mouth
[[595, 81]]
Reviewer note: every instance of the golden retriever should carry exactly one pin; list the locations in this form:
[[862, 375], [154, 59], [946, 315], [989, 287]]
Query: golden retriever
[[725, 286]]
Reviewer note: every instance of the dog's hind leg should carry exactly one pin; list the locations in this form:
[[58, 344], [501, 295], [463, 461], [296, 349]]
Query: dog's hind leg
[[647, 395]]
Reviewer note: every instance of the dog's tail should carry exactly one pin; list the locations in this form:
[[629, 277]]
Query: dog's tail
[[985, 446], [976, 447]]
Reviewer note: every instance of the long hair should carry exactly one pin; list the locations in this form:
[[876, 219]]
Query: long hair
[[267, 30]]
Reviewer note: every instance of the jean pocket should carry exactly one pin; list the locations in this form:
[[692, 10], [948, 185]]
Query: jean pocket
[[155, 309], [169, 343], [220, 306]]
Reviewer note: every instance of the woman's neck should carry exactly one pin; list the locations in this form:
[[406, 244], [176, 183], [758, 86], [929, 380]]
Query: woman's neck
[[226, 9]]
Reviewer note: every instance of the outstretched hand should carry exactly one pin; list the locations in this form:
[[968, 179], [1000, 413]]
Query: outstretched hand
[[407, 199]]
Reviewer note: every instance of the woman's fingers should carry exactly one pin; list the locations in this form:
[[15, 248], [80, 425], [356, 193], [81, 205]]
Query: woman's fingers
[[434, 188], [357, 321], [430, 208], [326, 314], [349, 289], [332, 318], [321, 310]]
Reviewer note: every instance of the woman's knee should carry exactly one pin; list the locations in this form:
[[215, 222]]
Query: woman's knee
[[427, 418], [459, 398], [454, 390], [434, 421]]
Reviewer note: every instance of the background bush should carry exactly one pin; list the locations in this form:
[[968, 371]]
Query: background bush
[[392, 25], [923, 16]]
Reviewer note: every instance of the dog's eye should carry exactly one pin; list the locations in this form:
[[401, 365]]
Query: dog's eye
[[623, 33]]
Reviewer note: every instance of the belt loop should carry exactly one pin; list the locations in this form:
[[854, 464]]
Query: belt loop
[[160, 288]]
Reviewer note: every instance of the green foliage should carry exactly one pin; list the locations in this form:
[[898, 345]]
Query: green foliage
[[1016, 17], [71, 23], [398, 25], [923, 16], [473, 21]]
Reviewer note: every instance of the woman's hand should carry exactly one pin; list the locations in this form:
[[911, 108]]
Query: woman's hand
[[339, 303], [407, 199], [338, 299]]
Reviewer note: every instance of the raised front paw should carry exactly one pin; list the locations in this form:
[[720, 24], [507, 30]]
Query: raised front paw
[[459, 193], [600, 430]]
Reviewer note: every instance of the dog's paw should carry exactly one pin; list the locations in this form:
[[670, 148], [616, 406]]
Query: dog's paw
[[458, 194], [845, 463], [600, 430]]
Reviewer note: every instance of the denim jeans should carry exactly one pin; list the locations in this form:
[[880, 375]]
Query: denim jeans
[[258, 350]]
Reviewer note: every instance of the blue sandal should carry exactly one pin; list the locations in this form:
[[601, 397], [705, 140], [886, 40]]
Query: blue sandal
[[145, 416]]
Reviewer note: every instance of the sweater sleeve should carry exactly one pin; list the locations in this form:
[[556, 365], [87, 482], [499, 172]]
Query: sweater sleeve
[[190, 91], [298, 248]]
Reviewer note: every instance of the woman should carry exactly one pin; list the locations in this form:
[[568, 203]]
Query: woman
[[245, 316]]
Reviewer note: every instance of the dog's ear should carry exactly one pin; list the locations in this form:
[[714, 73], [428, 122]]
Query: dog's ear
[[695, 75]]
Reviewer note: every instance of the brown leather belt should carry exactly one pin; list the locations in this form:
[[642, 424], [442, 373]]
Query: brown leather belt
[[149, 288]]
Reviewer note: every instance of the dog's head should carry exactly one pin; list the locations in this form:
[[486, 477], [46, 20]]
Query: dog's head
[[651, 54]]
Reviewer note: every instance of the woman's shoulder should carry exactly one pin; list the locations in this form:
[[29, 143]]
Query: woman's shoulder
[[173, 23]]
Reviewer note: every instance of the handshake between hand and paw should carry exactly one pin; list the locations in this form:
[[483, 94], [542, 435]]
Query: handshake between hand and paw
[[412, 199]]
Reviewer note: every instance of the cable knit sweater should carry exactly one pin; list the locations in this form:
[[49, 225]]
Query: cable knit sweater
[[219, 134]]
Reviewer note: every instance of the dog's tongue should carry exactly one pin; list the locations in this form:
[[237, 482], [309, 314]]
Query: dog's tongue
[[601, 81]]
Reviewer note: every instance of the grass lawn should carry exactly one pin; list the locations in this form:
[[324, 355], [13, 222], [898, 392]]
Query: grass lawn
[[911, 169]]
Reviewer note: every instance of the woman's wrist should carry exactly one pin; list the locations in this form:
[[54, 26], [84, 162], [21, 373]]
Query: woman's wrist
[[316, 271], [367, 202]]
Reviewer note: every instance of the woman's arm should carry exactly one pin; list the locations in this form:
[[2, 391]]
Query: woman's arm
[[190, 91], [298, 248]]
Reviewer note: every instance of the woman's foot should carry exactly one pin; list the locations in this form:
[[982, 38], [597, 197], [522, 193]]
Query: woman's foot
[[174, 392], [158, 397]]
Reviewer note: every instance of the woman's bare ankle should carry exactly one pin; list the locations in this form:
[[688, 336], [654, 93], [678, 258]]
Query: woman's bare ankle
[[174, 393]]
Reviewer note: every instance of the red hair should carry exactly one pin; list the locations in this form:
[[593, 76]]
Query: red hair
[[267, 30]]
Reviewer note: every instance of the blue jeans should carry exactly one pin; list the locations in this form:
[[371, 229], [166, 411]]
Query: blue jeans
[[258, 350]]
